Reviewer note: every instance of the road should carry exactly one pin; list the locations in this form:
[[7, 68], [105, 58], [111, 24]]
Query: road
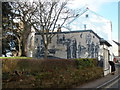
[[116, 83]]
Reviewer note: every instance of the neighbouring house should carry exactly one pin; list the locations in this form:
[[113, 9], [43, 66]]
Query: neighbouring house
[[105, 55], [116, 51]]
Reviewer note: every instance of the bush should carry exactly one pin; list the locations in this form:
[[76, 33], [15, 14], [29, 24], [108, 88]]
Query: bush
[[57, 73], [9, 65], [85, 62], [36, 65]]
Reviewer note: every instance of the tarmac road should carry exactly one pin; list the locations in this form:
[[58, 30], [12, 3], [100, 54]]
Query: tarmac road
[[116, 83]]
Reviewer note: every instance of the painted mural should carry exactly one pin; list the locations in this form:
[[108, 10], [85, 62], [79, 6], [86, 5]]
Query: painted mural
[[77, 45]]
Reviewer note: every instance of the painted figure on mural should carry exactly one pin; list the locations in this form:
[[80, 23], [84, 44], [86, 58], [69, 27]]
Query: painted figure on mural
[[38, 51], [74, 48], [96, 50], [92, 50], [79, 49], [68, 49], [88, 39]]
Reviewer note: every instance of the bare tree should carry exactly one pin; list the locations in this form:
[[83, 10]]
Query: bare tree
[[50, 15], [25, 11]]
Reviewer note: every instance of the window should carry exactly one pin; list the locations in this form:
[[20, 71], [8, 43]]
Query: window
[[86, 15]]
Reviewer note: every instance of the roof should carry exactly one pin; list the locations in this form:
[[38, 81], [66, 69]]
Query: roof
[[87, 10], [116, 43], [102, 41], [78, 31]]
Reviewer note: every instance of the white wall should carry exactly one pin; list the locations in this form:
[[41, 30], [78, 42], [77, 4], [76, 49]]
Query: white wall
[[115, 49]]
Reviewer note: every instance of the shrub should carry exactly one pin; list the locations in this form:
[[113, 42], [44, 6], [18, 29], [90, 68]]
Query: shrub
[[9, 65], [85, 62], [57, 73]]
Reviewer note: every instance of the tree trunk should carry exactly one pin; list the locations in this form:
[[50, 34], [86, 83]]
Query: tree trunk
[[19, 46], [24, 48], [19, 49], [46, 52], [27, 30]]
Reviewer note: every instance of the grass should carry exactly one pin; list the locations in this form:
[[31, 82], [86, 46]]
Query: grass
[[15, 57]]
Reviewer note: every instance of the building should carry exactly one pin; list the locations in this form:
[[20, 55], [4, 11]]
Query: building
[[81, 37], [75, 44], [104, 54], [116, 48], [116, 51], [88, 20]]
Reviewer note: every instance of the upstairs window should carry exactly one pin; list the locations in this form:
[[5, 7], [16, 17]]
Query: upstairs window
[[86, 15]]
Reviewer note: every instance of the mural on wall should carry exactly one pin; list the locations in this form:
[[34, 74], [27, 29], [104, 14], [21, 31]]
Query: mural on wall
[[68, 44], [74, 48], [39, 52]]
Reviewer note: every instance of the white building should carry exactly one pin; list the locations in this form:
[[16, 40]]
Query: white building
[[75, 44], [89, 20], [116, 48], [81, 38]]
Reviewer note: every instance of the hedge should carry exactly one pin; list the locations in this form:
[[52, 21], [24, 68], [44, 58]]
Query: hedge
[[57, 73], [85, 62]]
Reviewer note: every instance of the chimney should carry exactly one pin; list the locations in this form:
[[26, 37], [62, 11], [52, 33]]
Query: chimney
[[84, 26], [59, 28]]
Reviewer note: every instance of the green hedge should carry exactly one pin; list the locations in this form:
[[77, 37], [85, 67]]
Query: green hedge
[[57, 73], [15, 57], [36, 65], [85, 62]]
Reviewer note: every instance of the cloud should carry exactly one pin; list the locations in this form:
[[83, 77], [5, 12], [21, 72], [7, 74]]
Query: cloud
[[92, 4]]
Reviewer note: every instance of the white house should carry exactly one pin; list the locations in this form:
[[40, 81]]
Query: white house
[[89, 20], [116, 46], [105, 55], [75, 44]]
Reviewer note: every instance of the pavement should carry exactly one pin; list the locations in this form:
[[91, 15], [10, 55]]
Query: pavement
[[102, 82]]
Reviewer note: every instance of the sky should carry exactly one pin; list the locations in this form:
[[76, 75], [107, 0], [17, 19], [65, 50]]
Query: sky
[[106, 8]]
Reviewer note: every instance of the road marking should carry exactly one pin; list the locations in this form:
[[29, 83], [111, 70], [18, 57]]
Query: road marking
[[108, 82], [112, 83]]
